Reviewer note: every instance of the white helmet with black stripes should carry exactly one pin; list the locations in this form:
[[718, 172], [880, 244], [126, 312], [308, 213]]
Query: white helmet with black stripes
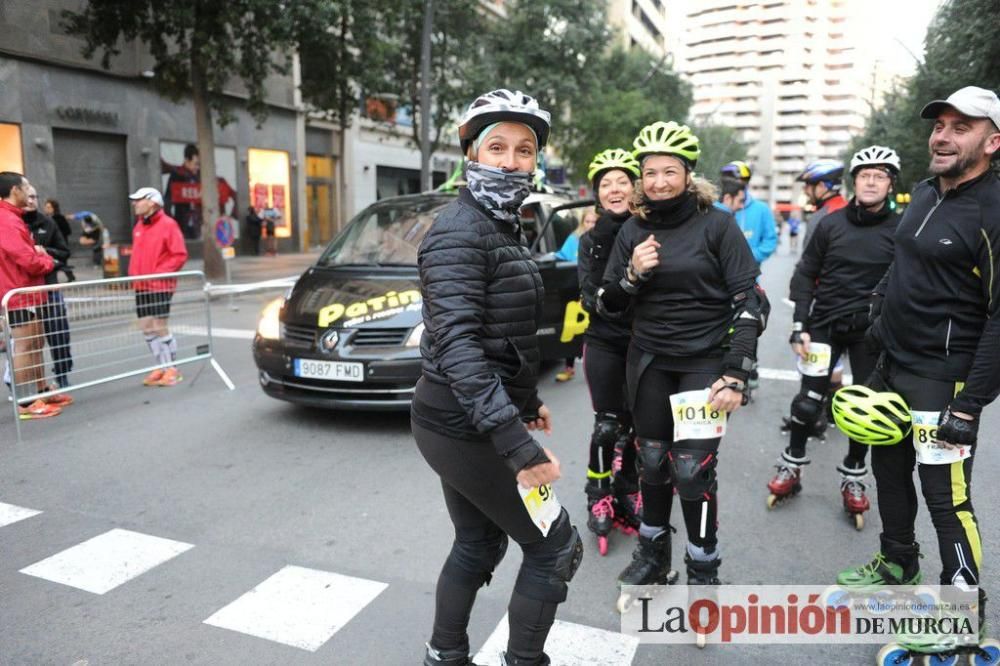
[[500, 106], [875, 156]]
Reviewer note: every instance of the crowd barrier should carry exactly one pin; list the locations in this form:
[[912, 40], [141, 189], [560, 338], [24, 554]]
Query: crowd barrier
[[90, 333]]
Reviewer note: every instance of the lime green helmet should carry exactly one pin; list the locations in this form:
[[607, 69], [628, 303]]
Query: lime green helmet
[[612, 158], [871, 417], [662, 138]]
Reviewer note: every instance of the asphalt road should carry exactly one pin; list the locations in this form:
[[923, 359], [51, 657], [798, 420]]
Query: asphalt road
[[242, 492]]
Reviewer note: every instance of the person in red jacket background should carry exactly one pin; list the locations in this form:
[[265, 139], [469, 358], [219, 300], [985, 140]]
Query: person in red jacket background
[[157, 247], [24, 264]]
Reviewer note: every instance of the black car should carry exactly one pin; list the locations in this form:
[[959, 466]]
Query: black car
[[347, 335]]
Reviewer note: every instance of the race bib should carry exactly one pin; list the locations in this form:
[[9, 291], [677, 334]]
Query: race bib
[[694, 418], [817, 361], [542, 506], [929, 450]]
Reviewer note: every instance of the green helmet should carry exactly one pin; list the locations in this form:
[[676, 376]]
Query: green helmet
[[871, 417], [662, 138], [612, 158]]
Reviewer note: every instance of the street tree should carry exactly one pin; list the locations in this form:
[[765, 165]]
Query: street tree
[[201, 49], [622, 92], [960, 49]]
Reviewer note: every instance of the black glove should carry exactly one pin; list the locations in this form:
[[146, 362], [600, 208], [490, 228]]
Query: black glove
[[956, 430], [795, 338], [875, 307]]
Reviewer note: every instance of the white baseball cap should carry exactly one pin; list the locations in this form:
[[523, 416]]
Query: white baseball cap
[[971, 101], [150, 193]]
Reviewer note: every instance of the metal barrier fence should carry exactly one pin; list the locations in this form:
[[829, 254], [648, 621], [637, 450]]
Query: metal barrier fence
[[68, 336]]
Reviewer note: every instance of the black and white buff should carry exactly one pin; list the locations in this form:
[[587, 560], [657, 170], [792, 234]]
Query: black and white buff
[[500, 192]]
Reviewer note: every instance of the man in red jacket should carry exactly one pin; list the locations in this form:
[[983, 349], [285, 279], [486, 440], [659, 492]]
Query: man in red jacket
[[157, 247], [23, 264]]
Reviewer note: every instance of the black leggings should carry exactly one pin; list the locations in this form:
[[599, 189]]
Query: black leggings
[[604, 368], [947, 489], [814, 389], [654, 421], [486, 508]]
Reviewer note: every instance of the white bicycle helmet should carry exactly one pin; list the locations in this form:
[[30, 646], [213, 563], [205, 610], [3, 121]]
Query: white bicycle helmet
[[875, 156], [499, 106]]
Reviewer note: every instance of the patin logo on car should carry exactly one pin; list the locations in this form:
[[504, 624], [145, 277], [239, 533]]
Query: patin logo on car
[[329, 341], [391, 303]]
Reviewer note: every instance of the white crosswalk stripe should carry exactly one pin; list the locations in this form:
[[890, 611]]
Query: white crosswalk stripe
[[106, 561], [10, 514], [297, 606], [568, 644]]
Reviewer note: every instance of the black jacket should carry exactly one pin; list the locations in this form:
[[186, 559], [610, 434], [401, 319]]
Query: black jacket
[[846, 256], [941, 312], [592, 261], [685, 311], [46, 233], [482, 298]]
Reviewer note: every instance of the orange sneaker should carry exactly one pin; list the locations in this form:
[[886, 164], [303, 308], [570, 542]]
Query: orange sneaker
[[39, 409], [171, 377], [153, 378], [59, 399]]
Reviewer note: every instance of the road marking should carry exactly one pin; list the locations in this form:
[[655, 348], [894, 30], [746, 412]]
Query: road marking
[[106, 561], [235, 333], [297, 606], [568, 644], [10, 514]]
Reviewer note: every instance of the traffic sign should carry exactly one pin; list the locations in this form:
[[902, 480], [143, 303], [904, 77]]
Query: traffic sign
[[225, 232]]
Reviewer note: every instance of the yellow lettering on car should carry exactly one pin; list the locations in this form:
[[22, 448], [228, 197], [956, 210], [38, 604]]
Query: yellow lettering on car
[[329, 314], [575, 321]]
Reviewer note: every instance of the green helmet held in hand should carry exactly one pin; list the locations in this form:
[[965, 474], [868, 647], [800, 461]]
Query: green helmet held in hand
[[875, 418]]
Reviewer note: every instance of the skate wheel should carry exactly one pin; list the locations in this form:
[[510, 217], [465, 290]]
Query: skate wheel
[[672, 577], [859, 521], [894, 654], [602, 545], [624, 603], [940, 660], [989, 653], [772, 501], [700, 641]]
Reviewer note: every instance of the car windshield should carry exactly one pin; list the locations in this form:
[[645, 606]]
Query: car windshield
[[384, 234]]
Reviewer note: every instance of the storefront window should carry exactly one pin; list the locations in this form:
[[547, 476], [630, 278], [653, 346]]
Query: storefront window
[[10, 148], [270, 187]]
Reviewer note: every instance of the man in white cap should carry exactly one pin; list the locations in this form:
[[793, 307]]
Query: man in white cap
[[938, 324], [157, 247]]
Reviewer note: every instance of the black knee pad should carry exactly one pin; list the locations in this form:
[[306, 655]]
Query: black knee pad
[[807, 407], [693, 472], [551, 563], [475, 554], [654, 469], [607, 429]]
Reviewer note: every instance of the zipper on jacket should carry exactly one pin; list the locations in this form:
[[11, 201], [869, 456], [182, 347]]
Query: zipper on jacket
[[947, 340], [929, 213]]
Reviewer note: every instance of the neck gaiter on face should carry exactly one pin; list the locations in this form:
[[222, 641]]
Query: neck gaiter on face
[[499, 192]]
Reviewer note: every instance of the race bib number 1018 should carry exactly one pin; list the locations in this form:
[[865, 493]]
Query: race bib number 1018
[[694, 418]]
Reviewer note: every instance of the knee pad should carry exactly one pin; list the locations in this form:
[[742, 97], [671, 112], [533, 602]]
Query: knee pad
[[474, 555], [694, 473], [607, 429], [807, 408], [654, 468], [551, 563]]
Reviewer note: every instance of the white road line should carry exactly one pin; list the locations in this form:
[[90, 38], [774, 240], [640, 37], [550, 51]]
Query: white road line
[[10, 514], [568, 644], [297, 606], [106, 561], [236, 333]]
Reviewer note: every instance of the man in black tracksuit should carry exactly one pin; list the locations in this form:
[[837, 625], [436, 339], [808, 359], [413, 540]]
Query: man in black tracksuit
[[847, 254], [939, 327], [46, 233]]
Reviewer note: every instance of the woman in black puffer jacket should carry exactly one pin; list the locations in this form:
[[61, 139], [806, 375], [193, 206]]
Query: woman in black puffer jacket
[[477, 398]]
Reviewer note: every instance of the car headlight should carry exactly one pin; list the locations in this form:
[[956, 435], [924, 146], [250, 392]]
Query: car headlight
[[269, 324], [414, 338]]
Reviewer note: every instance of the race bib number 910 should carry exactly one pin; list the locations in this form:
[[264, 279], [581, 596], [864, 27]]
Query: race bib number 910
[[694, 417], [929, 450], [542, 506]]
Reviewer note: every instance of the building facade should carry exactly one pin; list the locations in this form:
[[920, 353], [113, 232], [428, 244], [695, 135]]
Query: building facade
[[87, 136], [796, 78], [641, 24]]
